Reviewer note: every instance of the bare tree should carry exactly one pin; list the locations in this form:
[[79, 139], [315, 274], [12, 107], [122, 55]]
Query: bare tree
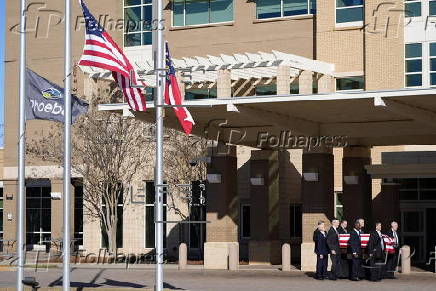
[[108, 151]]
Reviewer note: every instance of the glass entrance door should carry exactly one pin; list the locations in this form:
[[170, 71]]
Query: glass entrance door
[[38, 216], [413, 232]]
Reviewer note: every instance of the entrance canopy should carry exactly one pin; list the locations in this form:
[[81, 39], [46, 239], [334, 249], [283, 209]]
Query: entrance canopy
[[202, 71], [396, 117]]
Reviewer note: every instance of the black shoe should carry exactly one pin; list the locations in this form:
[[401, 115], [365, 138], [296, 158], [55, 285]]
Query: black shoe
[[333, 279]]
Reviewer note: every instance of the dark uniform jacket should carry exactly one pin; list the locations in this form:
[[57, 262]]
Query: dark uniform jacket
[[375, 245], [342, 230], [321, 247], [390, 233], [333, 240], [354, 244]]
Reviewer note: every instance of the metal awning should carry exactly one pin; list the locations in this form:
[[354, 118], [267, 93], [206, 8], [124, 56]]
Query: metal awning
[[242, 66], [394, 117]]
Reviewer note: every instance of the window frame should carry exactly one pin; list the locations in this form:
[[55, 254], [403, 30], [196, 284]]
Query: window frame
[[202, 24], [423, 65], [422, 8], [349, 90], [241, 235], [292, 225], [141, 31], [349, 23], [282, 11], [152, 206], [337, 206]]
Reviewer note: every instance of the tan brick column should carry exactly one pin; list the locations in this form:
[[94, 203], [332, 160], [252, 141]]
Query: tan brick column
[[305, 82], [57, 210], [318, 199], [264, 245], [326, 84], [10, 193], [283, 80], [357, 185], [222, 208], [224, 84]]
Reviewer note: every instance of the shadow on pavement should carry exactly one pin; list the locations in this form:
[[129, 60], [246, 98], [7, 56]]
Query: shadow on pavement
[[110, 282]]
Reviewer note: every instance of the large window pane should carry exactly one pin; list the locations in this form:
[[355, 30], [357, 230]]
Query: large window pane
[[413, 50], [413, 66], [179, 13], [147, 15], [413, 9], [432, 8], [268, 9], [133, 39], [346, 3], [350, 83], [414, 80], [132, 2], [221, 10], [132, 19], [349, 15], [197, 12], [294, 7]]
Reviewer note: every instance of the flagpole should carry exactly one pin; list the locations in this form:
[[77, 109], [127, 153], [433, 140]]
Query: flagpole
[[67, 151], [21, 150], [159, 63]]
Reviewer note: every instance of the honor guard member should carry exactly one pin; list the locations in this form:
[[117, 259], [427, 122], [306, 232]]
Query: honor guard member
[[392, 261], [355, 249], [376, 251], [321, 251], [335, 249]]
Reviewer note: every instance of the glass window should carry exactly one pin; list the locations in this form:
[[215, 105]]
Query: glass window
[[433, 63], [137, 22], [413, 8], [349, 11], [432, 7], [296, 219], [149, 215], [245, 221], [262, 90], [192, 94], [38, 215], [413, 65], [280, 8], [196, 12], [350, 83], [78, 215], [339, 206]]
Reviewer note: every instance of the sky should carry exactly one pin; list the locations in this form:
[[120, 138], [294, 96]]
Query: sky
[[2, 50]]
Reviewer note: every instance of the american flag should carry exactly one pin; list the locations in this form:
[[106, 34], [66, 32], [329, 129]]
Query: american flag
[[173, 96], [101, 51]]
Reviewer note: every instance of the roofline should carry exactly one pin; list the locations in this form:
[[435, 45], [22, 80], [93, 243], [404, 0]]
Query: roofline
[[346, 95]]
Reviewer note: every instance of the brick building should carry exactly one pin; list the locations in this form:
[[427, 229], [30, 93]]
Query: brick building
[[361, 71]]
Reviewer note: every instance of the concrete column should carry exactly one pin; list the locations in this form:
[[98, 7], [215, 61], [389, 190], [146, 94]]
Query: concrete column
[[357, 187], [57, 210], [283, 80], [326, 84], [305, 82], [388, 196], [264, 245], [405, 260], [10, 192], [318, 199], [222, 209], [183, 256], [224, 84], [286, 257], [180, 80]]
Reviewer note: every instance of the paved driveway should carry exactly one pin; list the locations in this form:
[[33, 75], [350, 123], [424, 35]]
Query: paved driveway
[[201, 280]]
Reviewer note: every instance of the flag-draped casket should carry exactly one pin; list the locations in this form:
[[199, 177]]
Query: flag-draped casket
[[364, 238]]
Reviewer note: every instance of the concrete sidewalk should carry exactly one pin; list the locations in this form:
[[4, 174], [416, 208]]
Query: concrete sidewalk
[[205, 280]]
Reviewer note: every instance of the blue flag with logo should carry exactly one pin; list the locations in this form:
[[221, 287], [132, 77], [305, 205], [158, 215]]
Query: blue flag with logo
[[45, 100]]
